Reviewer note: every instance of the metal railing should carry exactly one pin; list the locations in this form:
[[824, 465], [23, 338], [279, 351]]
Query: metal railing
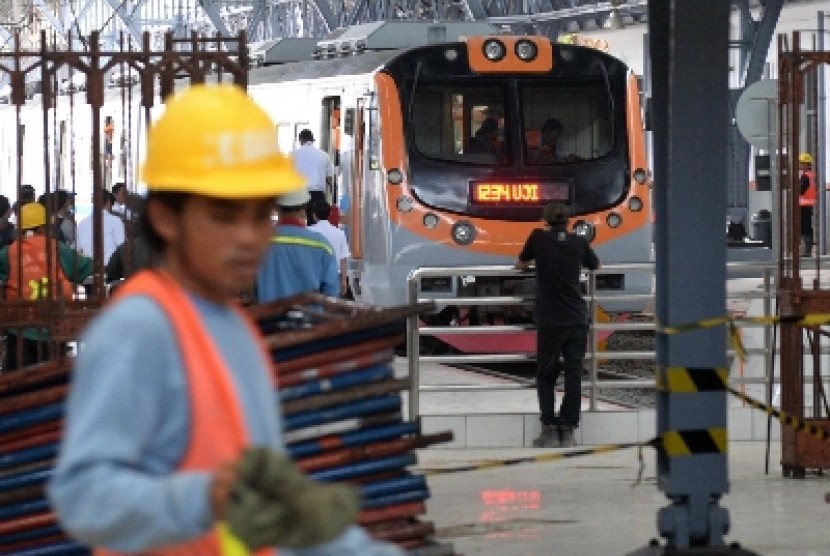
[[594, 356]]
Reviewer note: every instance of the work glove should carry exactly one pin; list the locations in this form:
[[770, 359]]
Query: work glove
[[273, 503]]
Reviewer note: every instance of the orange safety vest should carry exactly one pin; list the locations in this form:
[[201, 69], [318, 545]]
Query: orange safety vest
[[217, 424], [28, 255], [808, 198]]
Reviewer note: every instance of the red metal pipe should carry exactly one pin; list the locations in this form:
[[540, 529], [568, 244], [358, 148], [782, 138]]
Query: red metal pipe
[[377, 515], [27, 522], [322, 358]]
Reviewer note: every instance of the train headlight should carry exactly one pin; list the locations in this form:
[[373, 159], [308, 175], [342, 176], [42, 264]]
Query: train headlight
[[394, 176], [463, 233], [430, 220], [494, 50], [526, 50], [635, 204], [640, 176], [585, 229], [405, 204], [613, 220], [451, 54]]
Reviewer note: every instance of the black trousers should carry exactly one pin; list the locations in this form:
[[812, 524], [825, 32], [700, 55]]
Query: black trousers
[[560, 349], [807, 228], [314, 196]]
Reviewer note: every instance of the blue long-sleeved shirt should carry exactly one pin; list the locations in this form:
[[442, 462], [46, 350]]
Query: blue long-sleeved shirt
[[299, 260], [127, 427]]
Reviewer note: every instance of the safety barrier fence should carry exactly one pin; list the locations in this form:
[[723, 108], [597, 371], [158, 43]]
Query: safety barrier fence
[[759, 274]]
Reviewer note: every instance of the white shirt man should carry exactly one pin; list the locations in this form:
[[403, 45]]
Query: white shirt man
[[313, 163], [112, 227], [336, 237]]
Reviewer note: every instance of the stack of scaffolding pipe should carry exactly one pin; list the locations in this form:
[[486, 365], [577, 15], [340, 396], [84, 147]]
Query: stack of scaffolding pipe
[[341, 407], [31, 413]]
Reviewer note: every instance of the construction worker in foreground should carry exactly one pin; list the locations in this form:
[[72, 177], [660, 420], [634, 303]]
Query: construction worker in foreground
[[807, 200], [172, 442]]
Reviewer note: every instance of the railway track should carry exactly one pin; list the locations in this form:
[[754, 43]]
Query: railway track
[[610, 369]]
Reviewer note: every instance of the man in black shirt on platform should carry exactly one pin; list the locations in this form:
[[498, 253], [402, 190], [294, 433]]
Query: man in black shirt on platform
[[561, 321]]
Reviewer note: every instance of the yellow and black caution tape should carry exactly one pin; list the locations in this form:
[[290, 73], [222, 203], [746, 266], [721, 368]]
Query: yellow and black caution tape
[[814, 319], [807, 321], [728, 321], [784, 417], [694, 442], [673, 443], [551, 456], [692, 326], [688, 380]]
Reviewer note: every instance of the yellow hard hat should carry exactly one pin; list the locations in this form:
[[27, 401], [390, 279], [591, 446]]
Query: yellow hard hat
[[214, 140], [805, 157], [32, 215]]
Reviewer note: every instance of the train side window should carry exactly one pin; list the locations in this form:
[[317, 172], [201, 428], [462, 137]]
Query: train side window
[[348, 122]]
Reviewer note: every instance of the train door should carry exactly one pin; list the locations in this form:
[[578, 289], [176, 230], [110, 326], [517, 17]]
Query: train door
[[330, 140], [355, 124]]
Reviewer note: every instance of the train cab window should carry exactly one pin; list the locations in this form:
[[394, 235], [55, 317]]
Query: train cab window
[[562, 125], [460, 123]]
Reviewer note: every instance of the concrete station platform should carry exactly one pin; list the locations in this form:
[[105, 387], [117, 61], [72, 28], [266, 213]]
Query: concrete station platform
[[509, 417], [588, 506]]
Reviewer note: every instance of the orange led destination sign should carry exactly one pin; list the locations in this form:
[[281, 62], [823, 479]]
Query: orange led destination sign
[[517, 193]]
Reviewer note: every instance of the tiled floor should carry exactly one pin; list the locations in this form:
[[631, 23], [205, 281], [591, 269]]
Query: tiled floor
[[590, 506], [502, 416]]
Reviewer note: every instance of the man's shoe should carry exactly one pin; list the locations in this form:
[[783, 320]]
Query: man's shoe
[[566, 436], [549, 438]]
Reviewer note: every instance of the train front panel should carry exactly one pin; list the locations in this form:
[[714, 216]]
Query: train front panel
[[466, 142]]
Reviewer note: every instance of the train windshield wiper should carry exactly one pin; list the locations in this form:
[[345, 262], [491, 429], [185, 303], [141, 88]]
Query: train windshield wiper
[[409, 114]]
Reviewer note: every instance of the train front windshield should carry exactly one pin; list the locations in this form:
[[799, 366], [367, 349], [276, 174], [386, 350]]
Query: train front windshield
[[467, 123], [560, 129]]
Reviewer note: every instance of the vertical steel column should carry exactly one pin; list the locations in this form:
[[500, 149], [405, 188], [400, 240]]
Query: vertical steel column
[[821, 151], [690, 114]]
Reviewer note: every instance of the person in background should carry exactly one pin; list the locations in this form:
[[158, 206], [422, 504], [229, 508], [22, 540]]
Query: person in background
[[172, 433], [315, 165], [807, 200], [561, 321], [7, 231], [551, 150], [112, 227], [320, 211], [25, 269], [60, 204], [485, 140], [119, 207], [299, 259], [27, 195], [131, 256], [109, 131]]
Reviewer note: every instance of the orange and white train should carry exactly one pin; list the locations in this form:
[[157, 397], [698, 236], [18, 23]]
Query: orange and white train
[[405, 125]]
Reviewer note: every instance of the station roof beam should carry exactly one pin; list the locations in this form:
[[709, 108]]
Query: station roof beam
[[212, 11], [127, 19], [43, 10]]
